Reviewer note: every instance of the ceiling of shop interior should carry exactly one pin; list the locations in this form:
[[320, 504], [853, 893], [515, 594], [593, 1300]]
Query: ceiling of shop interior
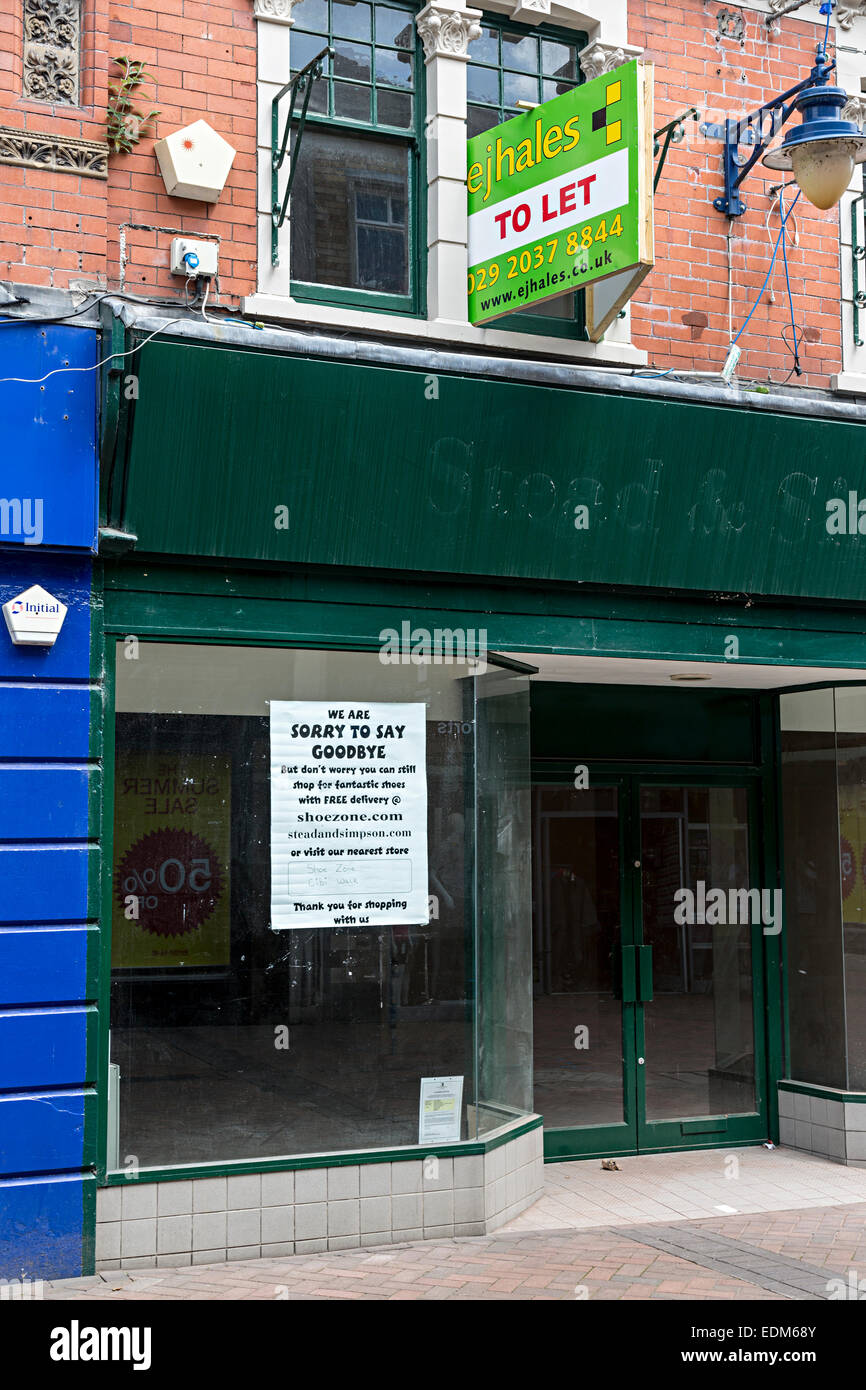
[[736, 675]]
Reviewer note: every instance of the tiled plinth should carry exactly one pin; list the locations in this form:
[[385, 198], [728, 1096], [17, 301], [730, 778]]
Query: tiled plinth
[[144, 1224], [824, 1121]]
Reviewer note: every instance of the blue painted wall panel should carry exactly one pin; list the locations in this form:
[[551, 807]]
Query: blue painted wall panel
[[49, 436], [44, 885], [41, 1227], [48, 511], [44, 803], [41, 1133], [39, 965], [39, 722], [68, 579], [43, 1048]]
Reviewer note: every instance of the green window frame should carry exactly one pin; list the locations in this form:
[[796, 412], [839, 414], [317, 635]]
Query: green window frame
[[503, 69], [336, 105]]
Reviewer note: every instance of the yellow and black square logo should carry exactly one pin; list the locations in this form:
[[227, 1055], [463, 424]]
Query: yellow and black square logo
[[605, 118]]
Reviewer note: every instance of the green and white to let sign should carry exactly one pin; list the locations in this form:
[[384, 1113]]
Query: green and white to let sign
[[560, 199]]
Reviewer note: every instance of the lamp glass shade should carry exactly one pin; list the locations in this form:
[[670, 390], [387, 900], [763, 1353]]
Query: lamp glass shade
[[823, 170]]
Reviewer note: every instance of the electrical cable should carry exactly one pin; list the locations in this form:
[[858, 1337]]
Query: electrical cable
[[795, 345], [204, 300], [771, 293], [114, 356], [109, 294], [745, 324], [57, 318], [827, 9]]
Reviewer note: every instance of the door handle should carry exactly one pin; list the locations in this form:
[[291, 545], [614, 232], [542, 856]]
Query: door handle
[[629, 975], [645, 973]]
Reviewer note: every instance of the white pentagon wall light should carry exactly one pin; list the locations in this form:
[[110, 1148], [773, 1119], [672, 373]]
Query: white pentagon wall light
[[34, 618], [195, 162]]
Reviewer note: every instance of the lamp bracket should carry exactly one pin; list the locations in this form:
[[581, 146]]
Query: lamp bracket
[[757, 130]]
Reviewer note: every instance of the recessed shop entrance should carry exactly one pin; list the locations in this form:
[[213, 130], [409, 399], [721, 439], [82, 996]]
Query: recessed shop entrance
[[657, 917], [647, 947]]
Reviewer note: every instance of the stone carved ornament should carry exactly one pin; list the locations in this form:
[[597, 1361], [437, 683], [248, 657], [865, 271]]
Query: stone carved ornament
[[846, 12], [52, 57], [277, 11], [65, 153], [447, 32], [598, 58]]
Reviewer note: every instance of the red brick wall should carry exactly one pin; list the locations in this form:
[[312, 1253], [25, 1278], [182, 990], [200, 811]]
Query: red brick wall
[[53, 225], [695, 66], [203, 56], [58, 227]]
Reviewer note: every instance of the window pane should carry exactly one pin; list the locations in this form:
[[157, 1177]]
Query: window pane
[[352, 60], [304, 48], [562, 307], [482, 84], [351, 19], [516, 87], [380, 255], [332, 240], [351, 102], [319, 97], [485, 49], [393, 108], [235, 1040], [373, 207], [312, 14], [393, 68], [551, 89], [519, 51], [479, 119], [558, 60], [394, 26]]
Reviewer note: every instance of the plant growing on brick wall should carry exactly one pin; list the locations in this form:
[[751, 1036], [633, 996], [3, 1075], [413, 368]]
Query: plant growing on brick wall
[[124, 122]]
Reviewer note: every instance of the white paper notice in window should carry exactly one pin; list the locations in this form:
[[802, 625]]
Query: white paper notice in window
[[439, 1113], [348, 814]]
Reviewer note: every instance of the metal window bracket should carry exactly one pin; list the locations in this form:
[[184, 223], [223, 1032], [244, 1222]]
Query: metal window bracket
[[300, 85], [858, 253], [674, 131]]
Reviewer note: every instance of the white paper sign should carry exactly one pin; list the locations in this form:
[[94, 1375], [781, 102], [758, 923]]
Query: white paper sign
[[439, 1114], [348, 814]]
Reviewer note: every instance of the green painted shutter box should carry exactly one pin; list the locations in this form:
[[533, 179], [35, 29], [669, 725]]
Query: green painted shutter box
[[484, 479]]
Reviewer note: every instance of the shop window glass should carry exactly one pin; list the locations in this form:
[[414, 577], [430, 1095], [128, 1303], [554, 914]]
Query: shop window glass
[[359, 145], [235, 1040], [824, 809]]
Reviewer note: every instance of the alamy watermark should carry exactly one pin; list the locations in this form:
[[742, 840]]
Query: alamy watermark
[[22, 516], [20, 1290], [443, 646], [734, 907]]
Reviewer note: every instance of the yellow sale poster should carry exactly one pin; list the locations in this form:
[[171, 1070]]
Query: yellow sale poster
[[172, 854]]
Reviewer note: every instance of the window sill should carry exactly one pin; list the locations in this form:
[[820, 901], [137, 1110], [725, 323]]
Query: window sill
[[445, 331], [849, 383]]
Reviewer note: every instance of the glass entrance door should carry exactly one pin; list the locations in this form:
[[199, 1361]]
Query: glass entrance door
[[583, 1020], [698, 933], [646, 973]]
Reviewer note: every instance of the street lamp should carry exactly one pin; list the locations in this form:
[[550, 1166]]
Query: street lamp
[[821, 151]]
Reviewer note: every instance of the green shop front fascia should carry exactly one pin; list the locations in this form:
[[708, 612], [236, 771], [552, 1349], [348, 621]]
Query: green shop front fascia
[[267, 489]]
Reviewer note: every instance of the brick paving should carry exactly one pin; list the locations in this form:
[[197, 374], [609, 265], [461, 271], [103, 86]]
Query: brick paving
[[652, 1231], [768, 1256]]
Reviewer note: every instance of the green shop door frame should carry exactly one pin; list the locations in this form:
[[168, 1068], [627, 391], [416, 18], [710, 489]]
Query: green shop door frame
[[636, 1133]]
